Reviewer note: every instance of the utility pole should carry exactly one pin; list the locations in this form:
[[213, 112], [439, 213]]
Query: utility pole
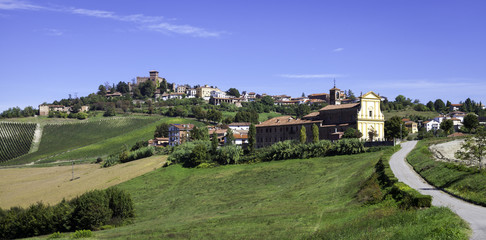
[[72, 170]]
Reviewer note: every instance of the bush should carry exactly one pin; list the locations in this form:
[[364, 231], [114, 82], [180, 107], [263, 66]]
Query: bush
[[55, 235], [229, 154], [370, 191], [409, 197], [138, 154], [82, 234], [91, 210], [120, 203]]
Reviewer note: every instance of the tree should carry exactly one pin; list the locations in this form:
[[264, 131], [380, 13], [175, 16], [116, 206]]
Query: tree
[[214, 142], [230, 138], [198, 112], [267, 100], [303, 135], [471, 121], [439, 105], [122, 87], [199, 133], [372, 133], [251, 138], [233, 92], [214, 115], [395, 128], [302, 110], [430, 106], [147, 89], [352, 133], [162, 130], [315, 133], [199, 155], [351, 95], [448, 126], [101, 90], [474, 148], [109, 111]]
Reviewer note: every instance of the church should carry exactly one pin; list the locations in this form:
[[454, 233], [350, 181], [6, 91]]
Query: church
[[332, 121]]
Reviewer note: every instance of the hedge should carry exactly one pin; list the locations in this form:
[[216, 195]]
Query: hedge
[[405, 195]]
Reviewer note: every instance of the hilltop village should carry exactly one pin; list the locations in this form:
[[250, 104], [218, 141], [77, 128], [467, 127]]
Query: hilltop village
[[332, 112]]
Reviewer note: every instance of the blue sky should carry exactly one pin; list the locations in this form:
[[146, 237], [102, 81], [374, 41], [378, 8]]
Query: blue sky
[[422, 49]]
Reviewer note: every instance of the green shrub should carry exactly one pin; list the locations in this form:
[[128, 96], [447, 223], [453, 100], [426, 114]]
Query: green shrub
[[91, 210], [120, 203], [138, 154], [56, 235], [409, 197], [229, 154], [370, 191], [82, 234]]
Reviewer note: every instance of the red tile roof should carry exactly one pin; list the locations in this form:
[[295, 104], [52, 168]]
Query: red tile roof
[[342, 106], [285, 120]]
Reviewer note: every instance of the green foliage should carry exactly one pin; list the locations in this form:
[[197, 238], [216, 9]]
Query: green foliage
[[230, 138], [183, 153], [139, 144], [199, 133], [315, 133], [82, 234], [15, 139], [214, 115], [247, 116], [88, 211], [395, 128], [16, 112], [370, 191], [252, 138], [109, 112], [233, 92], [352, 133], [55, 235], [303, 135], [214, 142], [137, 154], [230, 154], [198, 156], [471, 121], [162, 130], [447, 126], [439, 106], [91, 210]]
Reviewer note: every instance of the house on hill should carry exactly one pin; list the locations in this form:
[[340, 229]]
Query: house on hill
[[45, 109], [179, 133]]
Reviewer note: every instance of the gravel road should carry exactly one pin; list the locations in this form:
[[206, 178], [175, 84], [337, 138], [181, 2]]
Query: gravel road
[[473, 214]]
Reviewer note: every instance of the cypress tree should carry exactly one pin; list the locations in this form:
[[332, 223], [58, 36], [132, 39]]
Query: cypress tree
[[315, 133], [303, 135], [251, 138]]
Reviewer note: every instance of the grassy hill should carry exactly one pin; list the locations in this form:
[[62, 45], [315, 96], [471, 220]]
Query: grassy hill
[[86, 140], [294, 199], [409, 112]]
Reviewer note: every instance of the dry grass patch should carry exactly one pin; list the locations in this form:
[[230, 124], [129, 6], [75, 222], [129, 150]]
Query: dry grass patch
[[25, 186]]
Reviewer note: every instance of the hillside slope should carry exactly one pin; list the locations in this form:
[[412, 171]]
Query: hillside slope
[[294, 199]]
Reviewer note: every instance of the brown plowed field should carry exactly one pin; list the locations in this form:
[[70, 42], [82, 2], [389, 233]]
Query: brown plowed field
[[25, 186]]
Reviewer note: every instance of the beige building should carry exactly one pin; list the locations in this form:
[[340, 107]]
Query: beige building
[[204, 92], [371, 121]]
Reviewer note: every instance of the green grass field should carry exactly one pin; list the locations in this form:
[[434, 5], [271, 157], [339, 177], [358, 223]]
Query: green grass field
[[293, 199], [409, 112], [467, 183], [86, 140]]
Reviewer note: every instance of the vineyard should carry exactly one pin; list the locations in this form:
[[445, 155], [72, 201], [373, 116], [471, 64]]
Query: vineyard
[[88, 140], [15, 139]]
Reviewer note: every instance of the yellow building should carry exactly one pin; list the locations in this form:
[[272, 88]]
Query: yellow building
[[204, 92], [371, 121]]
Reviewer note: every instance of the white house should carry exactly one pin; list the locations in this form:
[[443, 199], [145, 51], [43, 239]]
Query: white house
[[241, 137], [240, 126], [431, 125]]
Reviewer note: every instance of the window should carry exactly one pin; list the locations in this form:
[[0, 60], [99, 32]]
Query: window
[[371, 113]]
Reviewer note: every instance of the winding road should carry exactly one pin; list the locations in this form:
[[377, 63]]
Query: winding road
[[475, 215]]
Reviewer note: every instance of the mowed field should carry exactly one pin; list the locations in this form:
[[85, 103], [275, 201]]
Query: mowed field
[[25, 186]]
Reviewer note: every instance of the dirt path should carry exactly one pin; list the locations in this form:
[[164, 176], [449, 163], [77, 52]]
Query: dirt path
[[473, 214], [37, 138], [25, 186]]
